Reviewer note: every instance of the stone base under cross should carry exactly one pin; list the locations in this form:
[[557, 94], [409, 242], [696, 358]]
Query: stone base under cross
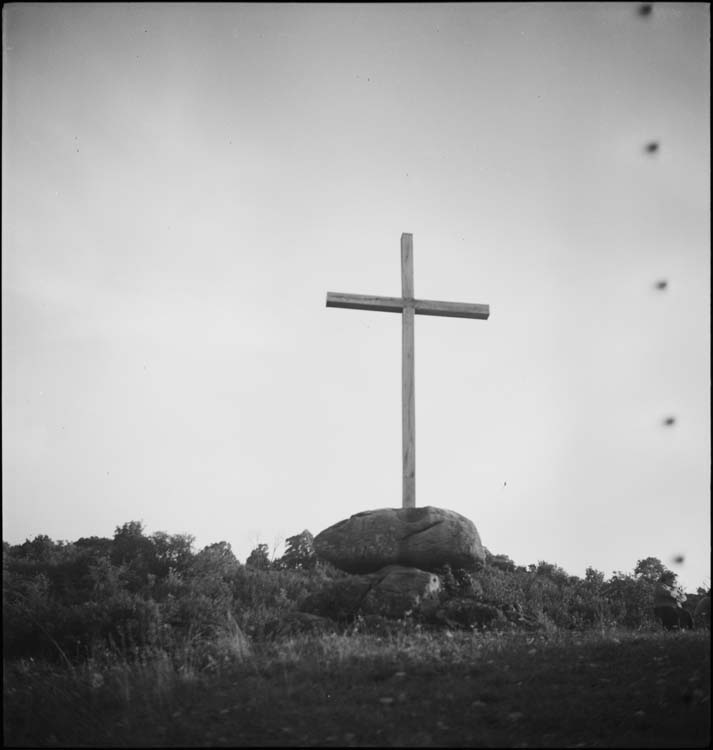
[[392, 554], [427, 538]]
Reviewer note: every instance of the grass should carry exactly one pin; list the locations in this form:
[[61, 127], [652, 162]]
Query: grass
[[409, 689]]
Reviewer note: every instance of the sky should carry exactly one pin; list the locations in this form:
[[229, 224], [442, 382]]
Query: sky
[[184, 183]]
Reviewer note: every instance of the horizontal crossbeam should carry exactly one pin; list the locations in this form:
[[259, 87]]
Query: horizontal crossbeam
[[420, 306]]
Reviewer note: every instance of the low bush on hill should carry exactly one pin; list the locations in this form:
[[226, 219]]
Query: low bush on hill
[[136, 594], [140, 641]]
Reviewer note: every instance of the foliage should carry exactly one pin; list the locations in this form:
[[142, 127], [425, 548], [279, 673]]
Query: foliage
[[545, 594], [651, 569], [109, 639], [259, 558], [299, 553], [137, 593]]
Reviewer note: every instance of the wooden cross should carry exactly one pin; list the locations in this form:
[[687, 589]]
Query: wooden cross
[[408, 306]]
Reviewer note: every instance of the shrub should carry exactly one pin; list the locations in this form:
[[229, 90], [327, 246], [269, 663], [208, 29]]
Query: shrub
[[136, 594], [299, 553]]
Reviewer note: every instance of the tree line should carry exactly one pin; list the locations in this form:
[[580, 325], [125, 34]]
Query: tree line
[[69, 601]]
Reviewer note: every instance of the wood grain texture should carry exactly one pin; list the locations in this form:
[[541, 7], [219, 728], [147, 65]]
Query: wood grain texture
[[408, 399], [408, 306], [396, 304], [365, 302], [407, 266], [451, 309]]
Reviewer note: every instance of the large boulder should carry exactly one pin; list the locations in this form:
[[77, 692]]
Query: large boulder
[[427, 538], [390, 592]]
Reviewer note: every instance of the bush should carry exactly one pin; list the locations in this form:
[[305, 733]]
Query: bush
[[137, 594]]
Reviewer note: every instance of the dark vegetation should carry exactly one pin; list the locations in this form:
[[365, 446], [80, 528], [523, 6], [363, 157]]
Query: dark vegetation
[[138, 640]]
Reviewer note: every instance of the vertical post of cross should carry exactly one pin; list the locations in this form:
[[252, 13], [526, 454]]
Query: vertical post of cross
[[408, 306], [408, 404]]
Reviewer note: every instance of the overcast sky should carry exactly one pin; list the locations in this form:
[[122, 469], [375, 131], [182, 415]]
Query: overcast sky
[[182, 184]]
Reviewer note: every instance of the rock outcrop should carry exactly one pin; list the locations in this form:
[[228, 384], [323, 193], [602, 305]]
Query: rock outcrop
[[425, 538], [390, 592]]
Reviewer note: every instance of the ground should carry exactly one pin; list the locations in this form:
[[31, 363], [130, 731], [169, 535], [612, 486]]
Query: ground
[[612, 689]]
